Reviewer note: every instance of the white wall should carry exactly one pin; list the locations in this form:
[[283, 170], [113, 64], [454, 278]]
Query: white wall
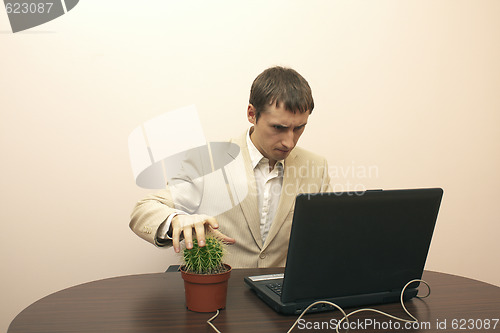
[[409, 88]]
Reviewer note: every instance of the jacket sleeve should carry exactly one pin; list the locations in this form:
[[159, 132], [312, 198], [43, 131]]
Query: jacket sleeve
[[184, 193], [149, 213]]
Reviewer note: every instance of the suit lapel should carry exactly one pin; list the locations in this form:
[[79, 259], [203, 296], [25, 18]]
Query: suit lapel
[[289, 191], [249, 204]]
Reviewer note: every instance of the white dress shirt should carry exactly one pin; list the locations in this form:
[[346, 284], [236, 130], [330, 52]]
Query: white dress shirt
[[269, 184]]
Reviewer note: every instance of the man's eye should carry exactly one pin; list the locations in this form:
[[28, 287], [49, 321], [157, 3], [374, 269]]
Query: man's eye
[[278, 127]]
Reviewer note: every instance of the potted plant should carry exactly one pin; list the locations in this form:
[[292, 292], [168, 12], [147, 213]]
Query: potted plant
[[205, 276]]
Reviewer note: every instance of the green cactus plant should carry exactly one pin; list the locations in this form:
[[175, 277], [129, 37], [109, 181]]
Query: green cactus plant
[[206, 259], [205, 276]]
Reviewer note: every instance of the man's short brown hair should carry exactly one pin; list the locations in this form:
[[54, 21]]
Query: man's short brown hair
[[280, 85]]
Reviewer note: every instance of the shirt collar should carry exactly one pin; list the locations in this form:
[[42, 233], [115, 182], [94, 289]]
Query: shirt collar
[[255, 155]]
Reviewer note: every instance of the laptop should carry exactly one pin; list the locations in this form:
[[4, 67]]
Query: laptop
[[353, 249]]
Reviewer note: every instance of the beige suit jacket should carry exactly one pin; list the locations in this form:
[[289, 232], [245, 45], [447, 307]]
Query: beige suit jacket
[[304, 172]]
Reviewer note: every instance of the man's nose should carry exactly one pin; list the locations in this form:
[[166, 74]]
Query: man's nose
[[288, 140]]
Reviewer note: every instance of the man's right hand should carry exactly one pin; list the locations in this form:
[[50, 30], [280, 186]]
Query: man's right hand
[[184, 224]]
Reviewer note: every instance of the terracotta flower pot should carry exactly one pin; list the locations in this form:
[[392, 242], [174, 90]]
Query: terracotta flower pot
[[206, 292]]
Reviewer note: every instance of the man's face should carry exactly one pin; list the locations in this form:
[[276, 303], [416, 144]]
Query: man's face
[[277, 131]]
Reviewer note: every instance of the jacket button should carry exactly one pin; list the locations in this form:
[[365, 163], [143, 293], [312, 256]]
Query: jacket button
[[262, 255]]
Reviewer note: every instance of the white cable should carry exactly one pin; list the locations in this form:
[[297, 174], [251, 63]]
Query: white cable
[[346, 316], [209, 322], [415, 320]]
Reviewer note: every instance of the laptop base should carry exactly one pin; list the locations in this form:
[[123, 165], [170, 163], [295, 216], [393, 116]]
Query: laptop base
[[295, 308]]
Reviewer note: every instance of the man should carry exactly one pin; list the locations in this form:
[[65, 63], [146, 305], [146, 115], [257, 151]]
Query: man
[[275, 171]]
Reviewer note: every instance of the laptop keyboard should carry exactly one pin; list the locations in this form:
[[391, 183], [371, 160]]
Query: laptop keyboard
[[276, 287]]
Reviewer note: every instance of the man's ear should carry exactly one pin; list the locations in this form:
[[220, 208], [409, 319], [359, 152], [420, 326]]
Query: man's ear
[[251, 115]]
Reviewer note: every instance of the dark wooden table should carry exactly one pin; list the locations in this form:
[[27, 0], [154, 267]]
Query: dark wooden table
[[155, 303]]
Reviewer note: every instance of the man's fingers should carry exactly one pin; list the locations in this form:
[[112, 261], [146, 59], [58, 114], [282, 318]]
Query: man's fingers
[[212, 222], [225, 239], [186, 223], [176, 233], [188, 237], [199, 228]]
